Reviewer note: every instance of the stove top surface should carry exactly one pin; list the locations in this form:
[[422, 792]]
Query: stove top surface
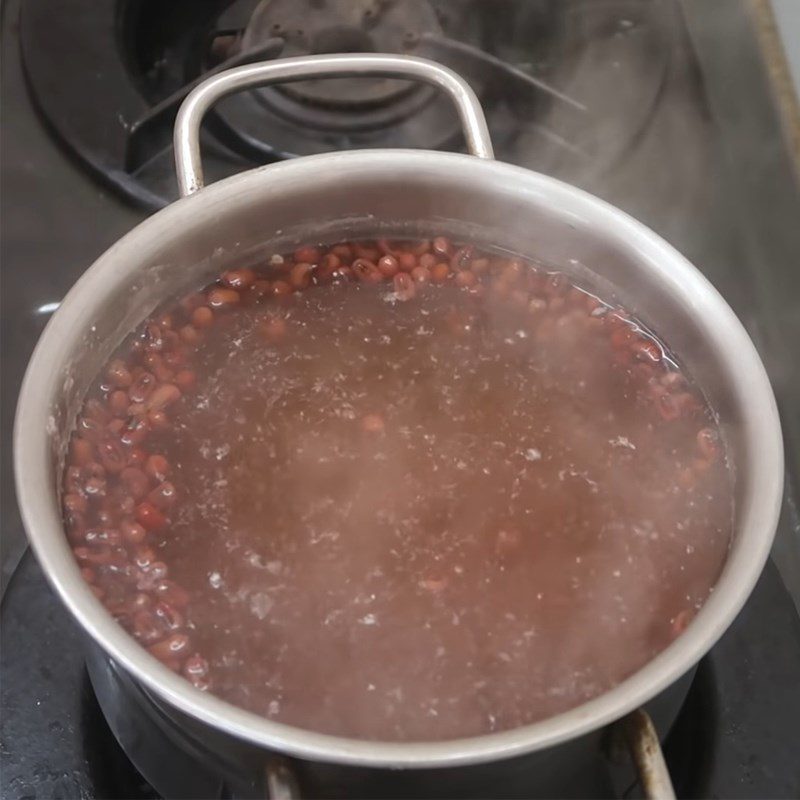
[[646, 118]]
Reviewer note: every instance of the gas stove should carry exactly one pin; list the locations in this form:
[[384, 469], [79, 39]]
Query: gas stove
[[630, 99]]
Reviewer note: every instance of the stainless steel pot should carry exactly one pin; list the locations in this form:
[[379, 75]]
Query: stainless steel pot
[[389, 193]]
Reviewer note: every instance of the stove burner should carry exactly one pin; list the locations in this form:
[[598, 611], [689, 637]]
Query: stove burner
[[343, 105], [567, 85], [343, 26]]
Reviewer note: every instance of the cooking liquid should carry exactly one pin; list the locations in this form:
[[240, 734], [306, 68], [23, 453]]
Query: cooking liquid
[[409, 513]]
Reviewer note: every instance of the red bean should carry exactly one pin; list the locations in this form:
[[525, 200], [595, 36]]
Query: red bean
[[223, 298], [163, 496], [280, 288], [442, 246], [163, 396], [142, 387], [95, 487], [74, 503], [404, 288], [170, 592], [261, 288], [135, 482], [132, 532], [343, 251], [460, 258], [110, 536], [406, 261], [388, 266], [647, 350], [536, 307], [144, 557], [343, 273], [136, 457], [75, 524], [168, 615], [420, 248], [195, 670], [434, 584], [373, 423], [420, 275], [153, 338], [157, 419], [575, 298], [673, 380], [366, 251], [440, 272], [141, 602], [91, 429], [668, 407], [99, 556], [681, 620], [118, 403], [556, 304], [106, 515], [156, 467], [145, 627], [95, 410], [126, 504], [73, 481], [309, 255], [155, 363], [172, 647], [242, 278], [81, 452], [118, 374], [185, 380], [330, 261], [88, 574], [427, 260], [366, 271], [300, 276], [153, 575], [273, 329], [466, 279], [192, 301], [135, 432], [555, 285], [112, 455], [708, 443], [189, 334], [480, 266], [149, 517], [701, 465], [507, 542], [202, 317]]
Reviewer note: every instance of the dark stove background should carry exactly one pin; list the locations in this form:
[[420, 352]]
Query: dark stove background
[[109, 77]]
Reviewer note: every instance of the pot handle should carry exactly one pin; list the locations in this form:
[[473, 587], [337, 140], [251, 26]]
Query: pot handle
[[637, 734], [186, 138]]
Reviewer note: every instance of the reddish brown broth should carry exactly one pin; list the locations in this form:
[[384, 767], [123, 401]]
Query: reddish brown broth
[[398, 491]]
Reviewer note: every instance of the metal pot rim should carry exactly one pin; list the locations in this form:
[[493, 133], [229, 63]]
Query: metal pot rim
[[39, 507]]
